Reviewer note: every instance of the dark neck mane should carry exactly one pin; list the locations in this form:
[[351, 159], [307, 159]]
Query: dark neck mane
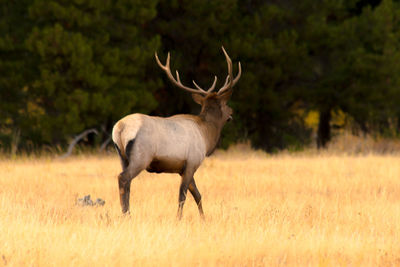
[[211, 126]]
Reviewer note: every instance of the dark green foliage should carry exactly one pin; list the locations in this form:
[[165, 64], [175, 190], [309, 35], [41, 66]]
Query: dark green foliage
[[92, 62], [354, 59], [16, 70], [272, 84], [67, 66], [193, 31]]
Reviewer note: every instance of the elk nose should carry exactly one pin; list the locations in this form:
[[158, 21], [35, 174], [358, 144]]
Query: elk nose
[[230, 118]]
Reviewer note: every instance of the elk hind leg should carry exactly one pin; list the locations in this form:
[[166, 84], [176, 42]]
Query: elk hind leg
[[132, 167]]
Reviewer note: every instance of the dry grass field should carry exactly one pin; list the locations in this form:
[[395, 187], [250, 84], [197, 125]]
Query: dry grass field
[[261, 210]]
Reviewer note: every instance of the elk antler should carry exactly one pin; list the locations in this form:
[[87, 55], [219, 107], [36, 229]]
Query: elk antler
[[229, 82]]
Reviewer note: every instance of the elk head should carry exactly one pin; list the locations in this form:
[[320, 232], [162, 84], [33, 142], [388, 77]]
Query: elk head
[[214, 106]]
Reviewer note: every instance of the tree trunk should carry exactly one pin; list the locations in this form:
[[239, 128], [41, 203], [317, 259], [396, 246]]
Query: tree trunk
[[324, 128]]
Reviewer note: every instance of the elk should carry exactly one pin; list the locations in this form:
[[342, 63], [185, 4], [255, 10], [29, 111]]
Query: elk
[[176, 144]]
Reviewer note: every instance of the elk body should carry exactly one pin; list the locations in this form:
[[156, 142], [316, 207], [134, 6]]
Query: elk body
[[176, 144]]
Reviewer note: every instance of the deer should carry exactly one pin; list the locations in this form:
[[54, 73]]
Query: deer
[[176, 144]]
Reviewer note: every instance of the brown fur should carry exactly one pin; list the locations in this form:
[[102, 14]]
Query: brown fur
[[177, 144]]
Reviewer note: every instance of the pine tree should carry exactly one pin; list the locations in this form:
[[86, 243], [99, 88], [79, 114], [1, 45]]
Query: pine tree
[[93, 63], [354, 59], [17, 69]]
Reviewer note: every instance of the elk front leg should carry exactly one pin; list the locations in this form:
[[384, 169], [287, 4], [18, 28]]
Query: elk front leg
[[197, 197], [182, 197], [187, 177]]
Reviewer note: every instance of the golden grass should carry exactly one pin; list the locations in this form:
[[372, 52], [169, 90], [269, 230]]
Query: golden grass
[[261, 210]]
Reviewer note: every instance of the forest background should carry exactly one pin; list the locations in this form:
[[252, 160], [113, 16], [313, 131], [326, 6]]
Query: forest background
[[310, 68]]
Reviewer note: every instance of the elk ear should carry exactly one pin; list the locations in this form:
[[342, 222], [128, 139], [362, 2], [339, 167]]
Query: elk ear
[[225, 95], [198, 99]]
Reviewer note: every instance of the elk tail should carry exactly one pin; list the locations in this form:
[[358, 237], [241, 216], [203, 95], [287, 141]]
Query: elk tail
[[123, 136]]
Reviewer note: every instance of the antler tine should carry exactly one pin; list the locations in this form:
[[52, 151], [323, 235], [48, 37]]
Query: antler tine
[[195, 84], [229, 78], [236, 78], [177, 81], [198, 87], [238, 75], [226, 81], [158, 61], [209, 89], [168, 61], [177, 76], [213, 85], [229, 82], [228, 61]]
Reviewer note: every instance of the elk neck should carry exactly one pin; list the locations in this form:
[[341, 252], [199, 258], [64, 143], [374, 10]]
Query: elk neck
[[211, 124]]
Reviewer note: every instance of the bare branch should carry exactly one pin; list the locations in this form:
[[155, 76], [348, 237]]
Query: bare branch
[[76, 140], [104, 144]]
